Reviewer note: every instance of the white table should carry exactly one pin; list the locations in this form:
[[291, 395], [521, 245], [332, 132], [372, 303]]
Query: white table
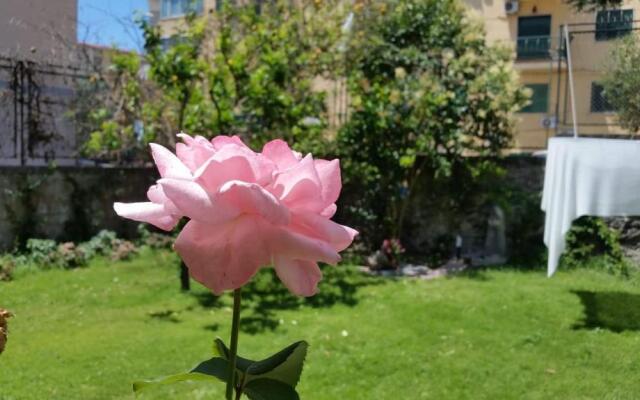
[[584, 176]]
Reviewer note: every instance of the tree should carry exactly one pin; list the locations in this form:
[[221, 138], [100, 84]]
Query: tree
[[592, 5], [429, 97], [622, 81], [244, 70]]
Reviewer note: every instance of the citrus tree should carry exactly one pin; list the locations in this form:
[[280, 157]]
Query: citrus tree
[[430, 98]]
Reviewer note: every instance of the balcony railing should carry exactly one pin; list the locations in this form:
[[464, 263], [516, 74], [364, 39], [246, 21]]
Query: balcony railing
[[533, 47]]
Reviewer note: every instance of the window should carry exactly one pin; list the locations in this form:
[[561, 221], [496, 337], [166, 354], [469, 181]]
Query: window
[[534, 37], [599, 102], [539, 98], [611, 24], [177, 8]]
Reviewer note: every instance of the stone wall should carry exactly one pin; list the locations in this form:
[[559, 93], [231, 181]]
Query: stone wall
[[66, 203]]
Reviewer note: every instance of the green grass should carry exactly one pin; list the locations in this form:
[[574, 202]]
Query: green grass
[[500, 334]]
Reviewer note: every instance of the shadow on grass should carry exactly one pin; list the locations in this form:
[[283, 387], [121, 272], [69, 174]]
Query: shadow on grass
[[614, 311], [474, 273], [165, 315], [265, 295]]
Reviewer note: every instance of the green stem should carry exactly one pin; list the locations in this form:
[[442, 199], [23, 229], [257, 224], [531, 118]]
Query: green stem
[[231, 383]]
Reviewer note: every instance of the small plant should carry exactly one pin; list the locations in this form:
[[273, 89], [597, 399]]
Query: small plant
[[4, 316], [589, 239], [71, 256], [153, 239], [393, 249], [101, 244], [123, 250], [43, 252], [7, 266]]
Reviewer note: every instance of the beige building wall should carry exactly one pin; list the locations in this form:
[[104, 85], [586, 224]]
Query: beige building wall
[[588, 58], [40, 30]]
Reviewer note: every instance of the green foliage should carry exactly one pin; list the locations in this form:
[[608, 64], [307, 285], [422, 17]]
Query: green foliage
[[7, 266], [101, 244], [47, 254], [42, 252], [591, 242], [622, 81], [427, 94], [209, 370], [263, 67], [272, 378], [109, 106], [153, 239], [233, 72]]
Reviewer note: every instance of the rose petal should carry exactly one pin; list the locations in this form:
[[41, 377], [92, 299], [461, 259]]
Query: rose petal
[[290, 244], [313, 225], [194, 151], [233, 162], [253, 199], [168, 164], [156, 195], [300, 277], [299, 187], [221, 140], [219, 257], [194, 202], [329, 174], [280, 153], [154, 214], [329, 211]]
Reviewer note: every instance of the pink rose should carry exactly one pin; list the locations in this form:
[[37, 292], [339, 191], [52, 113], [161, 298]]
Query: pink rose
[[247, 210]]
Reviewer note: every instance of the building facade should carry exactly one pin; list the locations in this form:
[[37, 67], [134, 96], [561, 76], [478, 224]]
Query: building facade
[[534, 29], [38, 68]]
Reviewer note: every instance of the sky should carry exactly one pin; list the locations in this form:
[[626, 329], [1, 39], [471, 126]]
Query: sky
[[110, 22]]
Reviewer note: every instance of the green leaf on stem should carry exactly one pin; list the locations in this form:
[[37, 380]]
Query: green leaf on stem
[[215, 368], [273, 378], [269, 389], [284, 366], [223, 351]]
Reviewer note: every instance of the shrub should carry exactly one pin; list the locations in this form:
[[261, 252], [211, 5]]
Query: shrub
[[153, 239], [7, 266], [71, 256], [123, 250], [101, 244], [43, 252], [590, 242]]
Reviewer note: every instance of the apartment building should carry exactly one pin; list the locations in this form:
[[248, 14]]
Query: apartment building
[[534, 29]]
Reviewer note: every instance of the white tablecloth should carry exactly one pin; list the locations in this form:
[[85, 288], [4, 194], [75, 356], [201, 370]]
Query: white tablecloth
[[597, 177]]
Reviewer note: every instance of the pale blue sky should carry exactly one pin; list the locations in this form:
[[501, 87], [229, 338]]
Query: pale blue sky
[[110, 22]]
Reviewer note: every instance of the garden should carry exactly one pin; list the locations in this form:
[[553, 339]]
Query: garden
[[281, 247]]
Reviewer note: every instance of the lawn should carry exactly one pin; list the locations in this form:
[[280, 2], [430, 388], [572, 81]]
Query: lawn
[[495, 334]]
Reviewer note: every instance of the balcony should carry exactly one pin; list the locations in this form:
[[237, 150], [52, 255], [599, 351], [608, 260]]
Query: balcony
[[533, 48]]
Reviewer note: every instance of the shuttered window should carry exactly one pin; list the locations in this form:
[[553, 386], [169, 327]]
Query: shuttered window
[[539, 98]]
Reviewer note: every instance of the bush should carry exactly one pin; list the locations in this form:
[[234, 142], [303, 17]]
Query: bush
[[590, 242], [101, 244], [7, 266], [153, 239], [43, 252], [123, 250], [71, 256]]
